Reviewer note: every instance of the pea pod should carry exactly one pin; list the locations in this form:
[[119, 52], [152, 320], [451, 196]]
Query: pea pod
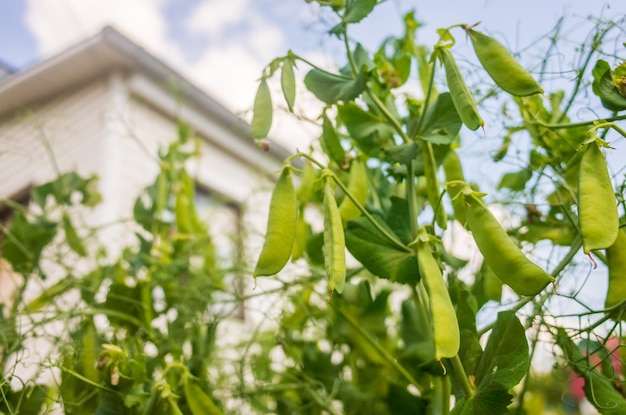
[[461, 97], [199, 402], [616, 262], [597, 208], [281, 227], [501, 254], [454, 172], [334, 241], [262, 111], [357, 186], [502, 67], [446, 334]]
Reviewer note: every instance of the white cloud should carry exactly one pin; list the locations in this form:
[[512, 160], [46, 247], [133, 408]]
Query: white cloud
[[57, 24], [232, 63], [213, 16], [229, 73]]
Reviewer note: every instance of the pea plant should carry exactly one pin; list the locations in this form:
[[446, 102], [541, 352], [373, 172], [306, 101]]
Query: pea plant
[[397, 329], [137, 327]]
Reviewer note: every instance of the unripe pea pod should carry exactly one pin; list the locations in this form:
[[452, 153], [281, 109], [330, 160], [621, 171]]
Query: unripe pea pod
[[446, 333], [501, 254], [502, 67], [281, 227], [461, 97], [334, 241], [597, 208], [357, 187], [616, 262]]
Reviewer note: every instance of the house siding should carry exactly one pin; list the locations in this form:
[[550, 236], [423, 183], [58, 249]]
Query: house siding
[[64, 133]]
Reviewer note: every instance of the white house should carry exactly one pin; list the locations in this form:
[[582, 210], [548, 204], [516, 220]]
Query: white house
[[106, 106], [100, 105]]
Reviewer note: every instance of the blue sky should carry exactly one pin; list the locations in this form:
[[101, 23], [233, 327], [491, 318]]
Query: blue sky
[[222, 45]]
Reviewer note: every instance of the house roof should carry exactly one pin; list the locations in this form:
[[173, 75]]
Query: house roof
[[96, 56], [5, 69]]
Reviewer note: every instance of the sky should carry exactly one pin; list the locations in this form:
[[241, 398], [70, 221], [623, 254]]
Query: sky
[[223, 45]]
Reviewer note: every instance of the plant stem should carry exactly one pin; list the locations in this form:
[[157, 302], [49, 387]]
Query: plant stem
[[439, 396], [375, 99], [344, 188], [467, 387], [411, 198], [346, 42], [577, 124], [426, 100], [533, 348]]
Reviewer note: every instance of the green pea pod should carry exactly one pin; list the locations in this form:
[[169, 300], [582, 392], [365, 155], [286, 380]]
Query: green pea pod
[[357, 186], [71, 236], [182, 208], [597, 209], [262, 111], [432, 184], [288, 83], [616, 262], [454, 172], [281, 227], [501, 254], [502, 67], [461, 97], [199, 402], [446, 334], [334, 242]]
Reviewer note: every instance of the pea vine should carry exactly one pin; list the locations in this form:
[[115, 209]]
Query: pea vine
[[402, 216]]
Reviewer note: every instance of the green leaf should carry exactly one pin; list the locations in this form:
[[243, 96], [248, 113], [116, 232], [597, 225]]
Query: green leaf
[[262, 111], [380, 256], [288, 82], [488, 401], [503, 364], [330, 88], [466, 307], [402, 402], [357, 10], [362, 58], [370, 131], [330, 142], [515, 181], [403, 153], [486, 286], [416, 333], [25, 242], [505, 360], [441, 122], [64, 186], [111, 404], [398, 219], [604, 87]]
